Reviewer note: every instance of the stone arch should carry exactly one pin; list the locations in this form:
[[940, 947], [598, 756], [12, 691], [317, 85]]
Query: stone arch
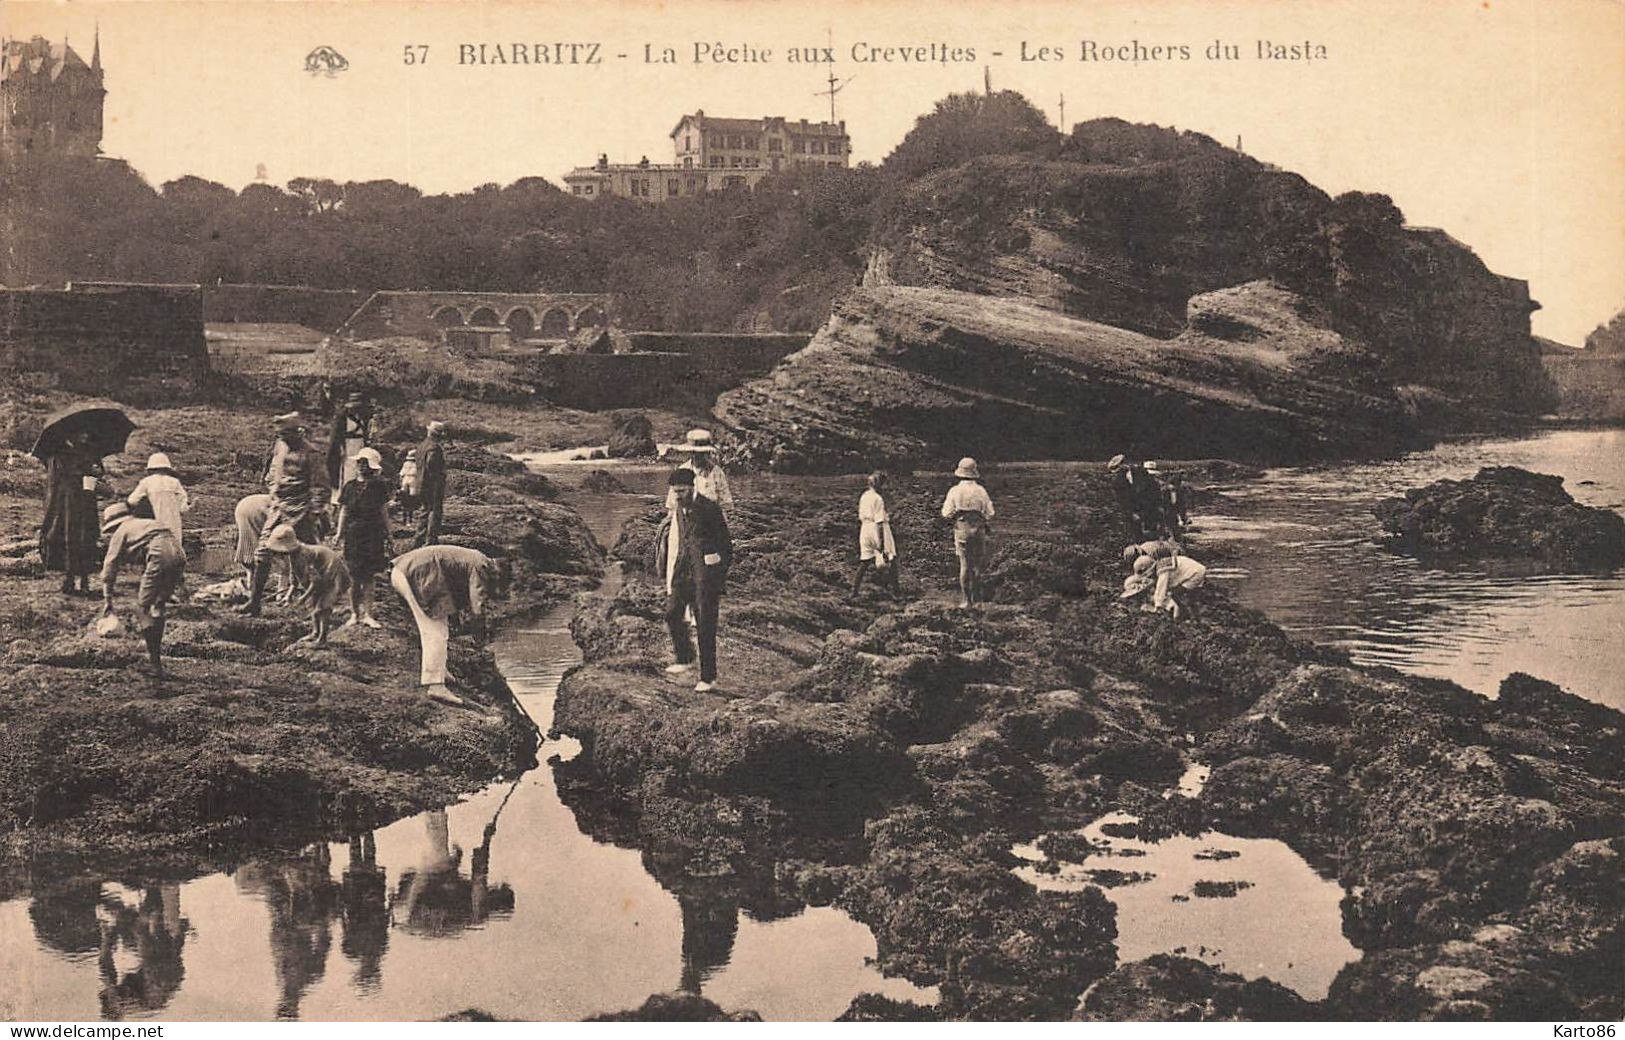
[[521, 323], [555, 323], [484, 316], [591, 317], [447, 317]]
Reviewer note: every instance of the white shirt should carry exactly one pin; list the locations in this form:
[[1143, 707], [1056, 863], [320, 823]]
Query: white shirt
[[967, 496], [1178, 572], [169, 500], [872, 507]]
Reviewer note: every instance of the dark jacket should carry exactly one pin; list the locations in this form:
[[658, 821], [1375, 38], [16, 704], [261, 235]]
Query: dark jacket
[[1143, 497], [704, 532], [431, 479]]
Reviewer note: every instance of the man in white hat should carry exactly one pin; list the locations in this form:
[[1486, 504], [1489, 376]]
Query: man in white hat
[[969, 507], [132, 538], [709, 479], [163, 492]]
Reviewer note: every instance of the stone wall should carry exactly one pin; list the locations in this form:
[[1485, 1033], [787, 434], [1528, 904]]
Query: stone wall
[[321, 309], [103, 339]]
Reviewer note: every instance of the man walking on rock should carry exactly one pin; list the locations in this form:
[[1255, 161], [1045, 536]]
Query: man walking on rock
[[693, 551], [967, 504]]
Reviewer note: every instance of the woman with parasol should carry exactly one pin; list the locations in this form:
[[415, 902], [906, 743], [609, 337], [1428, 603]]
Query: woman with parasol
[[72, 445]]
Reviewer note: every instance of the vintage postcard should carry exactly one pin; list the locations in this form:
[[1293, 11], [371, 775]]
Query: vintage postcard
[[733, 511]]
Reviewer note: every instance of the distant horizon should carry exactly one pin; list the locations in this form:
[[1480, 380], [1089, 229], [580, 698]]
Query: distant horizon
[[1477, 119]]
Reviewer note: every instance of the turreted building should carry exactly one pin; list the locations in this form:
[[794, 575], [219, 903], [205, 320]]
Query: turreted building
[[50, 99]]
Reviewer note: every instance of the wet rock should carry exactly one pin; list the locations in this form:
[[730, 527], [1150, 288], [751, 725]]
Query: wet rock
[[872, 1007], [631, 436], [602, 482], [1218, 889], [678, 1007], [1165, 988], [1505, 514]]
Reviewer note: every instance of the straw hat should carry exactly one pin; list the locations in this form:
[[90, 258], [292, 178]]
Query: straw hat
[[436, 428], [158, 460], [411, 455], [1115, 463], [1143, 564], [967, 469], [1151, 467], [282, 540], [114, 515], [1135, 584], [375, 460], [286, 422], [699, 441]]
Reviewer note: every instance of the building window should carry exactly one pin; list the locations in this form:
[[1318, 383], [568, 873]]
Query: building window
[[716, 160], [716, 140], [586, 189], [688, 160], [693, 185], [671, 187], [735, 141], [686, 145], [818, 148], [733, 160], [733, 182], [575, 189], [750, 143], [799, 146], [835, 148], [775, 144]]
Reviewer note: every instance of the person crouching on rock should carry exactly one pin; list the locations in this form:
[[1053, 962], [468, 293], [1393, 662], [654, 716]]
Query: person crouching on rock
[[693, 550], [1170, 587], [877, 549], [131, 538], [363, 532], [321, 572], [437, 581], [969, 507]]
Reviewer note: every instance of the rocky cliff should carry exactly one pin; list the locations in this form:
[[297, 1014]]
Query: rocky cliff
[[1129, 222], [906, 375]]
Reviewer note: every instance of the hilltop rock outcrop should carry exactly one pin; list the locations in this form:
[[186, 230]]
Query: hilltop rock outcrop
[[1505, 513], [1127, 223], [902, 376]]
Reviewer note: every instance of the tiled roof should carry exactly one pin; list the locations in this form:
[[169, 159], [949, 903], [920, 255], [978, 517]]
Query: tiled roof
[[758, 126]]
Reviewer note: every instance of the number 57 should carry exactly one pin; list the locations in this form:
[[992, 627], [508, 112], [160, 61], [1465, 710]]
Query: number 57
[[416, 54]]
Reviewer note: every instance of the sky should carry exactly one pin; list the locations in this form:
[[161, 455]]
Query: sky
[[1497, 120]]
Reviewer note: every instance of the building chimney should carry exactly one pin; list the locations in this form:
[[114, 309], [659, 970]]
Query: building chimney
[[643, 163], [603, 161]]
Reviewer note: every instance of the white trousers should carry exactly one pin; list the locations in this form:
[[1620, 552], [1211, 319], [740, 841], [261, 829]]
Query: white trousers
[[433, 632]]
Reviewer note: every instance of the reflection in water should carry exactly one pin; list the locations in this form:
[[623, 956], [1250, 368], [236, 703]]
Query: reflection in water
[[303, 900], [64, 916], [1247, 905], [155, 931], [710, 925], [365, 915], [436, 899]]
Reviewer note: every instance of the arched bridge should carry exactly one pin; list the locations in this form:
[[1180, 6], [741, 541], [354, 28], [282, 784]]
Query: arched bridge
[[525, 315]]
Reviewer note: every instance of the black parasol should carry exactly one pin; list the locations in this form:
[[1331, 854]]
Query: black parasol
[[106, 425]]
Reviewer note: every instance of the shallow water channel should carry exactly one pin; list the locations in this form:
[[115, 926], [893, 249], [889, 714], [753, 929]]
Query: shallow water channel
[[504, 902]]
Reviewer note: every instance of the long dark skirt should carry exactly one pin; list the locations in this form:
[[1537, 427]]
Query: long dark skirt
[[69, 532]]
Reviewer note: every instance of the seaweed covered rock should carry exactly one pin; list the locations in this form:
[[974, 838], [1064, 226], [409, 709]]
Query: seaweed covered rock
[[631, 435], [1505, 514], [1164, 988], [677, 1007]]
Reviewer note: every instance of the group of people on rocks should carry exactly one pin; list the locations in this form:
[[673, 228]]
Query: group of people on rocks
[[694, 549], [327, 564]]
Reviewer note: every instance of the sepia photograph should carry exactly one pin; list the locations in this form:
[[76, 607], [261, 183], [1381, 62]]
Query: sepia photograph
[[729, 511]]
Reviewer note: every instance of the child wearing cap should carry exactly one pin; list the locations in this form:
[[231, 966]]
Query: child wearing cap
[[404, 497], [132, 538], [163, 493], [363, 532], [326, 579], [1168, 578]]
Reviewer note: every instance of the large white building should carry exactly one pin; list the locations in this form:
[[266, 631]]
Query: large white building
[[712, 154]]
